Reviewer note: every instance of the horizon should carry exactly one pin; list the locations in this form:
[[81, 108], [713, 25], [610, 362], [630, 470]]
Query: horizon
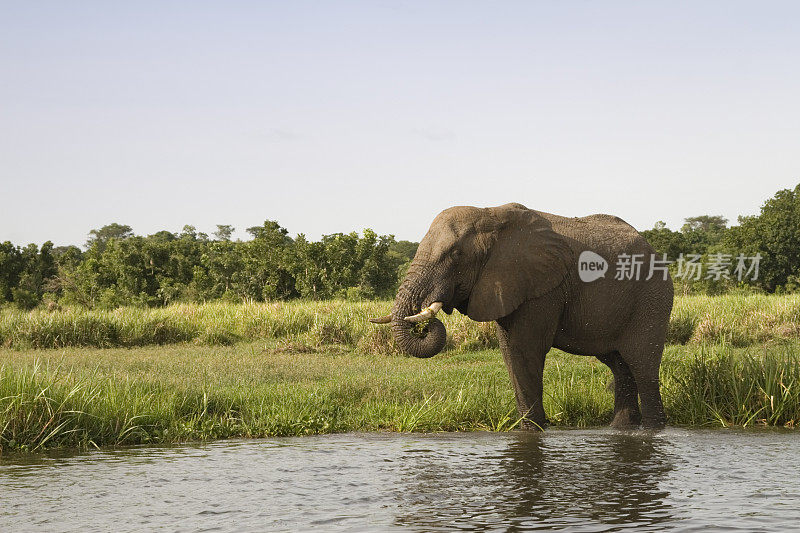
[[247, 236], [336, 118]]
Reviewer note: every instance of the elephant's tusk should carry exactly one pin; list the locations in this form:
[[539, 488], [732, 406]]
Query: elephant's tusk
[[381, 320], [426, 313]]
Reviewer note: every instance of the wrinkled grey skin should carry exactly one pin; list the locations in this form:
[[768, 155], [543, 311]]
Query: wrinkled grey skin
[[519, 268]]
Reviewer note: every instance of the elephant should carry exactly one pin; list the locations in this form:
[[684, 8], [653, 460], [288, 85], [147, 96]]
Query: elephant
[[524, 269]]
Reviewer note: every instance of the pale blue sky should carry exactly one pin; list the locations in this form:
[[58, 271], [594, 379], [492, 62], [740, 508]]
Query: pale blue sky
[[338, 116]]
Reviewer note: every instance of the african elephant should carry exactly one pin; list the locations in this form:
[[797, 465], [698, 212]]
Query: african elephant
[[520, 268]]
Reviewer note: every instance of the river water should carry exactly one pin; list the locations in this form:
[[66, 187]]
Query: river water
[[579, 480]]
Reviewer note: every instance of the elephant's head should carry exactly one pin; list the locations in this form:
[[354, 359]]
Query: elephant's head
[[482, 261]]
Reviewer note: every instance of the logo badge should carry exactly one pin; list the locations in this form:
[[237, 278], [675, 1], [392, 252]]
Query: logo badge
[[591, 266]]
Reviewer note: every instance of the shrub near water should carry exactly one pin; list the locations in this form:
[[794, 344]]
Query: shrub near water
[[733, 319]]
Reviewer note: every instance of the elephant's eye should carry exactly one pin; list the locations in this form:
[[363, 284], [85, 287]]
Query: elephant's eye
[[456, 253]]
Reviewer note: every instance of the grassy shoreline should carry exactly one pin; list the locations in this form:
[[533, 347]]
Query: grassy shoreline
[[78, 378], [107, 397]]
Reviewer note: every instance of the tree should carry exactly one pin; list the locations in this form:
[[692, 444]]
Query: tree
[[270, 230], [68, 259], [266, 274], [99, 237], [706, 223], [38, 268], [699, 235], [11, 266], [703, 233], [402, 253], [309, 268], [378, 268], [64, 255], [220, 263], [120, 268], [344, 265], [224, 232], [405, 250], [666, 241], [775, 235]]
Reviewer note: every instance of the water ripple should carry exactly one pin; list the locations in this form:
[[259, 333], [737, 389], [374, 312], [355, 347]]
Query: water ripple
[[588, 480]]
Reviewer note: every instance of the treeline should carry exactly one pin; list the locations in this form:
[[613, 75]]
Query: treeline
[[120, 268], [773, 235]]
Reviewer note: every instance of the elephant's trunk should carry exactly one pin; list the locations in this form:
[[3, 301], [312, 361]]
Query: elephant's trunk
[[426, 343]]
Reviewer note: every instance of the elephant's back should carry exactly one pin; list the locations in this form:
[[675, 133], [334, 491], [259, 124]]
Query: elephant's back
[[605, 224], [600, 232]]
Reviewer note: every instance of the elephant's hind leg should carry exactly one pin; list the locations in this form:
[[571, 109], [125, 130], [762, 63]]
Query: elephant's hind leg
[[644, 362], [626, 394]]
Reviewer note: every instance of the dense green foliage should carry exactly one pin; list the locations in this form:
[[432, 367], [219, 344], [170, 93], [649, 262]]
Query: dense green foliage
[[120, 268], [773, 235], [24, 273]]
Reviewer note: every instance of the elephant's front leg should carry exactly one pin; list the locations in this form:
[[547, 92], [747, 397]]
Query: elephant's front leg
[[525, 338]]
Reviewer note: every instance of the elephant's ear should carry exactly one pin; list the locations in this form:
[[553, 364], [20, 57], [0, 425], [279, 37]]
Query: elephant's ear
[[527, 260]]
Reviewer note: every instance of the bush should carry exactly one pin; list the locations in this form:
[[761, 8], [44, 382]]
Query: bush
[[25, 299]]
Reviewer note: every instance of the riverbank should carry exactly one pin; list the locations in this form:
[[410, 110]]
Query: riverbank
[[86, 397]]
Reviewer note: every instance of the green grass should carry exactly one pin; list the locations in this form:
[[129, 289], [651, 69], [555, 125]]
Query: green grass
[[723, 386], [86, 397], [738, 320], [79, 378]]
